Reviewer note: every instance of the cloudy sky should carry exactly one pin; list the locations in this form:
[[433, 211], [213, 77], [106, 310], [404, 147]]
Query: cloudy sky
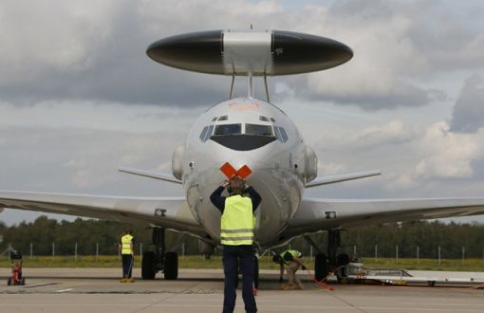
[[80, 98]]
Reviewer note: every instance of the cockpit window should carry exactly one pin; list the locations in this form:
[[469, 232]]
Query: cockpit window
[[223, 118], [228, 129], [203, 134], [281, 134], [258, 130], [206, 133], [243, 131]]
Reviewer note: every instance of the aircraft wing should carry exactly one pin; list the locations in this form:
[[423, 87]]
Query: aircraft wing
[[169, 212], [151, 174], [324, 214], [326, 180]]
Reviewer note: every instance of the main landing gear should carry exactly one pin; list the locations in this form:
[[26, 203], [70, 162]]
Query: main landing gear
[[159, 260], [324, 264]]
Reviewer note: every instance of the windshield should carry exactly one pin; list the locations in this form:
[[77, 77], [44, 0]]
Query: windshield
[[228, 129], [258, 130]]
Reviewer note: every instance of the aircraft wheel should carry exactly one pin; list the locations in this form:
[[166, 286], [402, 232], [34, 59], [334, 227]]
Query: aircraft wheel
[[171, 266], [341, 261], [9, 281], [148, 270], [22, 281], [321, 268]]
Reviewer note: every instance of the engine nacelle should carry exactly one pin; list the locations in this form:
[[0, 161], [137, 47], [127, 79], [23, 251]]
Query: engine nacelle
[[311, 164], [177, 162]]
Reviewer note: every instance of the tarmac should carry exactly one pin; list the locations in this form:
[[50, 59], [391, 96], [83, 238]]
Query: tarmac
[[100, 290]]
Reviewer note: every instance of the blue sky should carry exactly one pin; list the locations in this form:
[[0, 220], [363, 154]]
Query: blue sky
[[80, 98]]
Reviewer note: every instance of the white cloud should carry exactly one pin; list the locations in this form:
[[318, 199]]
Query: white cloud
[[164, 167], [448, 155], [393, 133], [468, 115], [59, 36], [95, 50], [439, 155], [82, 178], [330, 168], [81, 68], [397, 46], [73, 163]]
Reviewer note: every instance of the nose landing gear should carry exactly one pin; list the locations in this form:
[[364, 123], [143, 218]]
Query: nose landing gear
[[324, 264], [159, 260]]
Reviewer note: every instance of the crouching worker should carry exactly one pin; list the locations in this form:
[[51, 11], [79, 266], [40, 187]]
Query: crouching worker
[[291, 260]]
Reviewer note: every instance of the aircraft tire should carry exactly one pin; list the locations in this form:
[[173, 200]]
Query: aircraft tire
[[321, 268], [171, 266], [341, 261], [148, 270]]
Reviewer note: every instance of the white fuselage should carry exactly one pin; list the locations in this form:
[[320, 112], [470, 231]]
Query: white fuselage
[[246, 131]]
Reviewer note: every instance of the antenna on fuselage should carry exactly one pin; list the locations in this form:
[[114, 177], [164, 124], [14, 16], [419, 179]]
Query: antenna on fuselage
[[250, 91], [232, 87], [267, 88]]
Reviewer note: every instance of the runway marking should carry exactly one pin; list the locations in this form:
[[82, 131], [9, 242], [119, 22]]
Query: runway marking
[[64, 290], [40, 285]]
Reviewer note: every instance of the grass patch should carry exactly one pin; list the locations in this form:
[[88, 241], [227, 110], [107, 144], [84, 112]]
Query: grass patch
[[265, 262]]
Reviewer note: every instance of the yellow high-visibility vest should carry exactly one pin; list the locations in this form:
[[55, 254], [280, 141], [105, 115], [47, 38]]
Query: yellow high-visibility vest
[[126, 244], [237, 224], [294, 253]]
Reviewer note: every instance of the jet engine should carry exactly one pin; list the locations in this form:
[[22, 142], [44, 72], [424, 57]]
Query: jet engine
[[311, 164], [177, 162]]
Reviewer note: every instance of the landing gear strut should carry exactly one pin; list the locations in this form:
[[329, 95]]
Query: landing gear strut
[[159, 260], [326, 263]]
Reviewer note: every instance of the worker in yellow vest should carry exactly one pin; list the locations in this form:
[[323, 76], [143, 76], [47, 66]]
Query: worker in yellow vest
[[237, 237], [126, 248], [291, 260]]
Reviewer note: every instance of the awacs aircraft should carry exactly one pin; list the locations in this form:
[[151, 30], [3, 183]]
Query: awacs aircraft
[[255, 140]]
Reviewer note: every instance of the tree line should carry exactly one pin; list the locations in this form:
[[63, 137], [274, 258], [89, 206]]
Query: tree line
[[423, 239]]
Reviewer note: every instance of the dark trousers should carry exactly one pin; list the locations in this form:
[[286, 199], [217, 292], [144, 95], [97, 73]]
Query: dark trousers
[[233, 256], [127, 260]]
